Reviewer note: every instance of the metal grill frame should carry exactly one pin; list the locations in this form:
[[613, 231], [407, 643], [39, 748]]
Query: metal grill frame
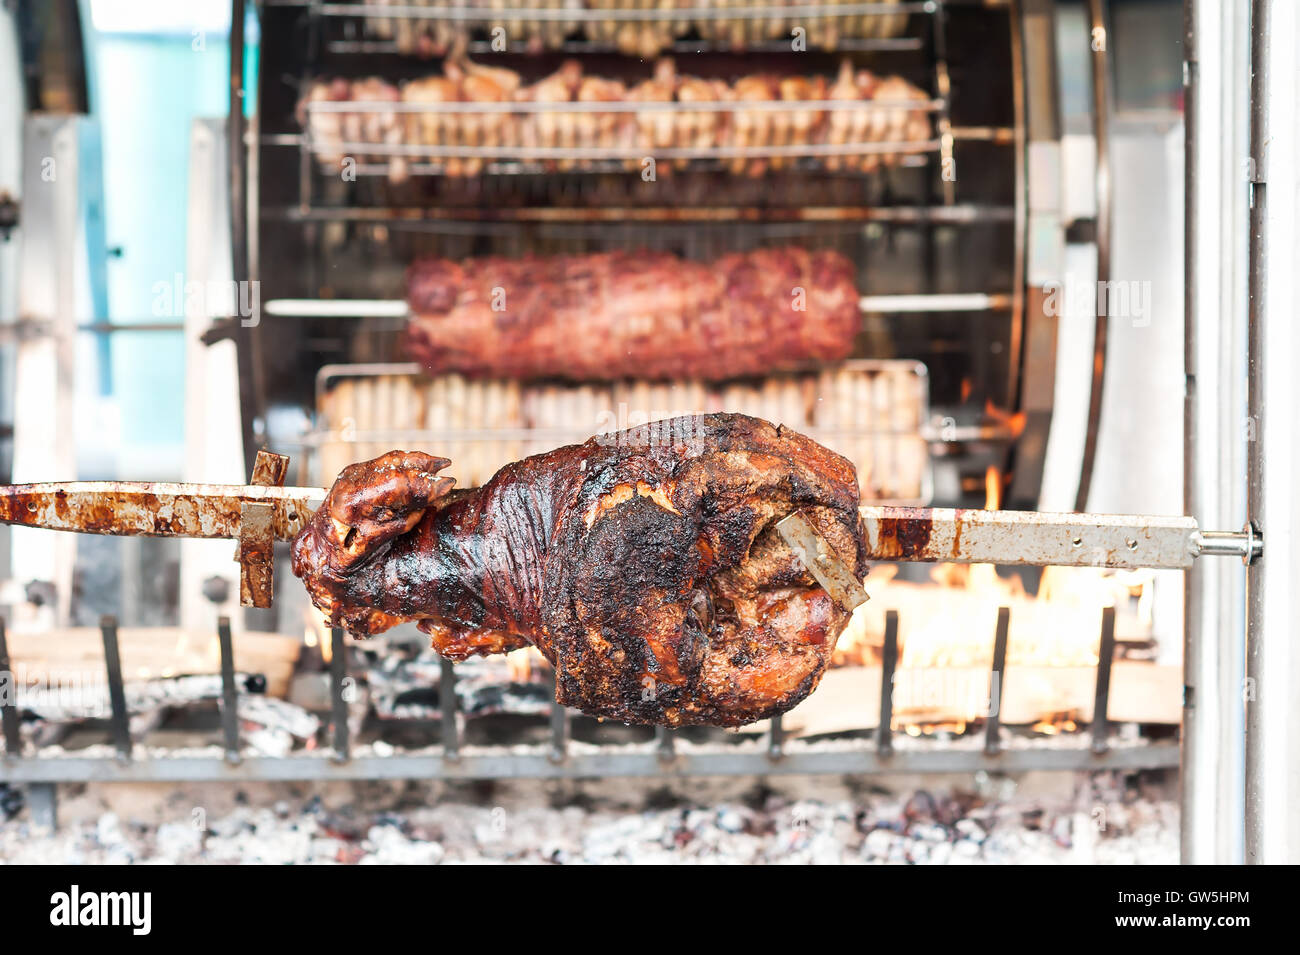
[[559, 759]]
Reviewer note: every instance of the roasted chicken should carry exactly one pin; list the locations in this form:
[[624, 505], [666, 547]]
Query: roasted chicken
[[734, 120], [644, 564]]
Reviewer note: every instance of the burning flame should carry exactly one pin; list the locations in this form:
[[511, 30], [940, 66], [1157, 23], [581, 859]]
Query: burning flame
[[316, 633], [1014, 423], [519, 664], [992, 489]]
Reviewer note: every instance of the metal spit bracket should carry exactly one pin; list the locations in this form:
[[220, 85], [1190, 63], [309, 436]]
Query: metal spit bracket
[[835, 576], [256, 552]]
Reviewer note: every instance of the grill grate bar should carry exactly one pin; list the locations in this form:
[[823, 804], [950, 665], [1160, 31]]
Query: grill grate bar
[[568, 14], [338, 695], [229, 693], [121, 719], [1105, 657], [714, 761], [447, 701], [559, 732], [997, 674], [775, 739], [888, 664], [9, 700], [664, 747]]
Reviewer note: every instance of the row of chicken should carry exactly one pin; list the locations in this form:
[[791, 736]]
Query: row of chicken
[[643, 28], [870, 412], [854, 121]]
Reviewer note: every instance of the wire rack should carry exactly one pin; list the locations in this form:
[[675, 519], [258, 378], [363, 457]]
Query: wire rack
[[873, 412], [629, 27], [342, 129]]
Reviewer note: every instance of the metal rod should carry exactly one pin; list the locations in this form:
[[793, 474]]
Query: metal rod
[[447, 701], [1246, 544], [965, 214], [937, 302], [43, 806], [397, 308], [1028, 538], [247, 356], [1020, 165], [537, 764], [335, 308], [888, 664], [155, 509], [1101, 700], [664, 744], [900, 44], [997, 674], [533, 165], [1273, 454], [775, 738], [229, 692], [1101, 106], [616, 106], [559, 732], [120, 719], [943, 91], [940, 432], [114, 328], [1216, 220], [338, 694], [9, 699], [626, 152], [526, 13], [998, 135]]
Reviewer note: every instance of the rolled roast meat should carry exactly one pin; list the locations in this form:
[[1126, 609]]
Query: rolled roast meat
[[646, 315]]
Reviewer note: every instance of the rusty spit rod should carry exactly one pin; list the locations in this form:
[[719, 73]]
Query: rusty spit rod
[[254, 514], [155, 508], [971, 536]]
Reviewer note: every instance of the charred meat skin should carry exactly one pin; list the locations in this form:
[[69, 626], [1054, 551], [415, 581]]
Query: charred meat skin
[[644, 565]]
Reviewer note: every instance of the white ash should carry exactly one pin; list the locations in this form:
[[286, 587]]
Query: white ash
[[60, 704], [270, 727], [1099, 820], [403, 687]]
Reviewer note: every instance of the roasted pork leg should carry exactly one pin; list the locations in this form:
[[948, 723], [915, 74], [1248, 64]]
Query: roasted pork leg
[[644, 564]]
